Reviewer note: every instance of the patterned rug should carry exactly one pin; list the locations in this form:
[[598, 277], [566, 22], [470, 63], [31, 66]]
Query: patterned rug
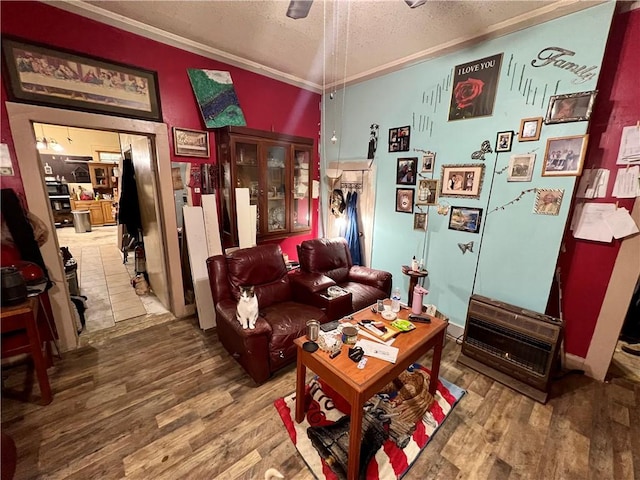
[[397, 425]]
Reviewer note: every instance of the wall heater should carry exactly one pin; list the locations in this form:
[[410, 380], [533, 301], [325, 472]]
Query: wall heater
[[512, 345]]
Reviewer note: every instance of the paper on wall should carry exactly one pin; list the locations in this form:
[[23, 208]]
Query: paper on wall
[[629, 152], [593, 183], [627, 184], [620, 223], [5, 161], [591, 224], [577, 212]]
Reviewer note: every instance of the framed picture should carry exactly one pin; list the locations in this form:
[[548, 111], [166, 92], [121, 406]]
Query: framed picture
[[564, 156], [521, 167], [427, 192], [399, 139], [406, 172], [190, 143], [420, 221], [404, 200], [548, 201], [504, 141], [465, 219], [572, 107], [530, 129], [428, 160], [474, 88], [43, 75], [462, 180]]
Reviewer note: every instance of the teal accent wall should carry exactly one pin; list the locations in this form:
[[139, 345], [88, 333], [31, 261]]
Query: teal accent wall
[[514, 254]]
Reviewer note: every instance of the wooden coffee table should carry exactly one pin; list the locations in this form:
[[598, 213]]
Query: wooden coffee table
[[357, 386]]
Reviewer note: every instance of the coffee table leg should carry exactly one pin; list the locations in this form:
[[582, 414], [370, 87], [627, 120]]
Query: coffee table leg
[[355, 439], [301, 373], [435, 363]]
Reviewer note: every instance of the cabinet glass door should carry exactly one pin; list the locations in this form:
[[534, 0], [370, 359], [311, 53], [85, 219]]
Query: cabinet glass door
[[247, 172], [301, 216], [276, 189]]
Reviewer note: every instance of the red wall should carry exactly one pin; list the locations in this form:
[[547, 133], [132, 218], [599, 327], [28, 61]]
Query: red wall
[[586, 266], [267, 104]]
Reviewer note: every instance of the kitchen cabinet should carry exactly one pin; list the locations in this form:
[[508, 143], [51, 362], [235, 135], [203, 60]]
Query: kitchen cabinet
[[101, 175], [276, 168], [100, 211]]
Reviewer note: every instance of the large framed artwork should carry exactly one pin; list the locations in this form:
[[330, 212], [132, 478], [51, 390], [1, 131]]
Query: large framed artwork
[[474, 88], [54, 77], [572, 107], [190, 143], [463, 181]]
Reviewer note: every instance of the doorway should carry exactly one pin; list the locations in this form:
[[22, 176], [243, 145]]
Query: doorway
[[21, 118]]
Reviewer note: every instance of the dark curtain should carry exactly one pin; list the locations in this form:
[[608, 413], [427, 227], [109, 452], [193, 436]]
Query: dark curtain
[[352, 233], [129, 209]]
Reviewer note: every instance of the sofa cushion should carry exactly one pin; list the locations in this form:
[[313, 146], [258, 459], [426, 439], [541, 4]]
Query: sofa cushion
[[363, 295], [327, 256], [288, 321], [263, 268]]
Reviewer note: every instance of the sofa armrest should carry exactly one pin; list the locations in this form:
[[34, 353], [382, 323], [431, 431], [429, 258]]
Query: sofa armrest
[[310, 282], [370, 276]]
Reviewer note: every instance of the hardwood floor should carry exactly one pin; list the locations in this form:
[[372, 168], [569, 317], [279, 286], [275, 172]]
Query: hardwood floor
[[168, 402]]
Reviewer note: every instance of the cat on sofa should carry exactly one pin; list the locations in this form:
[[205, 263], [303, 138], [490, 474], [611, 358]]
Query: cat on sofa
[[247, 309]]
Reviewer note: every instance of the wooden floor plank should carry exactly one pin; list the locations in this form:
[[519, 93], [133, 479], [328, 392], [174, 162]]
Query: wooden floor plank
[[167, 401]]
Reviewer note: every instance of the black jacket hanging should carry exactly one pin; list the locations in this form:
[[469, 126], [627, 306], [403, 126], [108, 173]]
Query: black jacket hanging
[[129, 211]]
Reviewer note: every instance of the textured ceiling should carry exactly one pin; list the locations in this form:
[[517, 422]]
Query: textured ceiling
[[339, 42]]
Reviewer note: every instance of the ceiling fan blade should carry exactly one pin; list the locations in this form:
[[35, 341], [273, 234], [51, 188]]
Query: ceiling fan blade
[[299, 8]]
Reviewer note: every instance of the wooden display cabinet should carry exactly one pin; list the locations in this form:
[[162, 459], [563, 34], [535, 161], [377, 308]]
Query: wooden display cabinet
[[276, 168], [101, 174]]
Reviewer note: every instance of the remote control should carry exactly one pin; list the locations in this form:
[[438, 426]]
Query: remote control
[[327, 327], [419, 318]]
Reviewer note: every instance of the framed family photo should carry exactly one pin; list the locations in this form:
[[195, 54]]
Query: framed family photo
[[427, 192], [463, 180], [428, 160], [465, 219], [404, 200], [530, 129], [521, 167], [190, 143], [55, 77], [474, 88], [572, 107], [504, 140], [420, 221], [399, 139], [564, 156], [548, 201], [406, 171]]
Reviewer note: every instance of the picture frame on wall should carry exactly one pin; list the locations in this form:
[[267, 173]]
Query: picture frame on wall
[[474, 88], [463, 181], [404, 200], [548, 201], [521, 167], [564, 156], [465, 219], [504, 140], [530, 129], [406, 171], [190, 143], [428, 192], [399, 139], [428, 161], [420, 221], [571, 107], [43, 75]]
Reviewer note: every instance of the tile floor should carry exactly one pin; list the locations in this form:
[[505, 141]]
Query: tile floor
[[104, 279]]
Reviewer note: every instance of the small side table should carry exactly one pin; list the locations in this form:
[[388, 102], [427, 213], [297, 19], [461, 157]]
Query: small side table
[[17, 320], [413, 280]]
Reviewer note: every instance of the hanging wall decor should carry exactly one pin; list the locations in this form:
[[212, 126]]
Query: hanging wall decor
[[564, 156], [504, 141], [530, 129], [462, 180], [216, 98], [474, 88], [406, 172], [428, 160], [466, 247], [485, 147], [573, 107], [427, 192], [373, 141], [465, 219], [521, 167], [404, 200], [548, 201], [420, 221], [399, 139]]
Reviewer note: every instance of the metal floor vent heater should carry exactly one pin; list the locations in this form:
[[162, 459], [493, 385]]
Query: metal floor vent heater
[[512, 345]]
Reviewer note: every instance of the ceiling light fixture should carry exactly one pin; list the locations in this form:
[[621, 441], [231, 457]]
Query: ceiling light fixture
[[299, 9], [44, 143]]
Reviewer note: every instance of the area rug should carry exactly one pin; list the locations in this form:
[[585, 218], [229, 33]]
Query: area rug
[[388, 450]]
